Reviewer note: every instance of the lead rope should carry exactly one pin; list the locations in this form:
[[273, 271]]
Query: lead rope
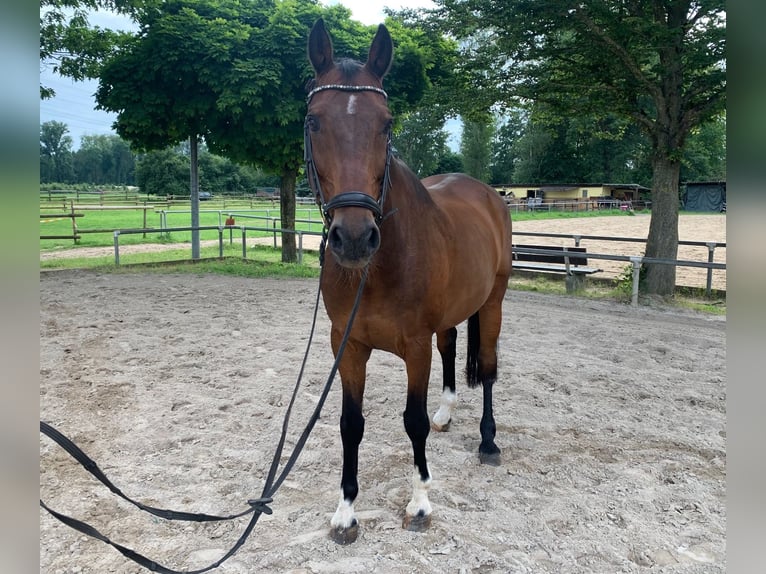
[[257, 506]]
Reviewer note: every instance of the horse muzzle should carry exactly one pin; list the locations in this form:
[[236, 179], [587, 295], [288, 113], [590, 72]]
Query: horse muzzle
[[353, 236], [353, 243]]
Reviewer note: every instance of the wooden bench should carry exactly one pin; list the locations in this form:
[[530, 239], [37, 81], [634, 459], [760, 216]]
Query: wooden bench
[[571, 261]]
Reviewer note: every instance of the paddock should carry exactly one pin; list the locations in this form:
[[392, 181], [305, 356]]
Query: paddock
[[611, 420]]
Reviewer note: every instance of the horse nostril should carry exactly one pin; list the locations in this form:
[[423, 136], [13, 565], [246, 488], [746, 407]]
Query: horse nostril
[[373, 239], [335, 239], [353, 247]]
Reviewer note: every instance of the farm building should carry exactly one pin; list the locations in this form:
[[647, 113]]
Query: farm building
[[704, 196], [577, 195]]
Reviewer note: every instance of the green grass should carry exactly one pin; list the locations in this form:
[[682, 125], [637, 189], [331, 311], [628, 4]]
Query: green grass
[[261, 262], [685, 297], [535, 215], [110, 220], [265, 261]]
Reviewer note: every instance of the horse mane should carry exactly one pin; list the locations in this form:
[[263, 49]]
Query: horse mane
[[420, 192]]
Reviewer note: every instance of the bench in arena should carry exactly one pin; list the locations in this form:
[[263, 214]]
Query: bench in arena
[[571, 261]]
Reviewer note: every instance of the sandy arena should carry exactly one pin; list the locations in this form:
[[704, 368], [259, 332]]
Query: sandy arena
[[612, 422]]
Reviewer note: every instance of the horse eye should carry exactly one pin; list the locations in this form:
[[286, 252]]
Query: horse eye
[[313, 123]]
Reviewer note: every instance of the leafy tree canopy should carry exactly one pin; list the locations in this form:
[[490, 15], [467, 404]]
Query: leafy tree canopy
[[659, 64], [69, 43]]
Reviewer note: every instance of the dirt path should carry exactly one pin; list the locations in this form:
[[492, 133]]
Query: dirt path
[[611, 420], [691, 228]]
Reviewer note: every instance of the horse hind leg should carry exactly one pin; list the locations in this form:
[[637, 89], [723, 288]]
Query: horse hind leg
[[481, 369], [446, 343]]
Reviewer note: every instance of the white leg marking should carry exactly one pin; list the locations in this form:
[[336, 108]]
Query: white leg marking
[[444, 414], [344, 515], [419, 503], [351, 107]]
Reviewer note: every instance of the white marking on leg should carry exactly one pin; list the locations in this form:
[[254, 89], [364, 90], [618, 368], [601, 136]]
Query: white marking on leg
[[419, 505], [351, 106], [344, 515], [447, 404]]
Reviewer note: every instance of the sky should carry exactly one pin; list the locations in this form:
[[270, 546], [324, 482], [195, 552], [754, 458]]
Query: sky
[[75, 104]]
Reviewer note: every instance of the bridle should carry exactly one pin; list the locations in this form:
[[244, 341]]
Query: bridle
[[346, 198]]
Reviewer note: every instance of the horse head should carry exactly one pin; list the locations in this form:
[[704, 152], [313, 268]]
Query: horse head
[[348, 144]]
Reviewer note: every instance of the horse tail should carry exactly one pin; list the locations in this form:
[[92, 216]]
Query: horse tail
[[472, 360]]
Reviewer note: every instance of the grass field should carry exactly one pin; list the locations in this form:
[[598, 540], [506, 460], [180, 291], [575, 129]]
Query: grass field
[[263, 261], [97, 223]]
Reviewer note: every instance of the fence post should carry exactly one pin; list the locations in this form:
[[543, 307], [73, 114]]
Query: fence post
[[244, 243], [116, 247], [274, 226], [300, 247], [576, 240], [636, 261], [220, 242], [709, 283], [74, 222]]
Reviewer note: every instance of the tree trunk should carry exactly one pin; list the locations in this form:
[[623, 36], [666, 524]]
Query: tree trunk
[[287, 210], [662, 241], [194, 193]]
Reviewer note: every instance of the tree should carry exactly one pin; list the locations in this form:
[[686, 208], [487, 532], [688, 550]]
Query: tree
[[656, 63], [475, 147], [103, 159], [234, 72], [163, 82], [164, 172], [420, 140], [71, 45], [55, 153], [450, 162], [508, 130], [705, 154]]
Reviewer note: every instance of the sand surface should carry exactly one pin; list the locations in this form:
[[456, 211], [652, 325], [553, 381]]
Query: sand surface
[[611, 420]]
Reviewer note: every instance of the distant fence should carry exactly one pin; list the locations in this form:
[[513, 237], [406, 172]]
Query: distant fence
[[711, 246], [516, 205], [220, 228], [635, 261], [65, 197]]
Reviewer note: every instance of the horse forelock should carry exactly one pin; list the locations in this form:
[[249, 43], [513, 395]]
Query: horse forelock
[[348, 68], [346, 71]]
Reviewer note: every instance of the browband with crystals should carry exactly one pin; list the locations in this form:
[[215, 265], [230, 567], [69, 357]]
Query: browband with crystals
[[345, 88]]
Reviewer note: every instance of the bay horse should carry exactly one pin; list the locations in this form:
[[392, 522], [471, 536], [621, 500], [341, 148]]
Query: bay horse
[[432, 254]]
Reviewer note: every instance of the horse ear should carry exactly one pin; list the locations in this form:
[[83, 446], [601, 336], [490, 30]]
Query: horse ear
[[381, 53], [320, 48]]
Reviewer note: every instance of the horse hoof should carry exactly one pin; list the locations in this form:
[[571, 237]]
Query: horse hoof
[[419, 523], [490, 459], [345, 536], [441, 428]]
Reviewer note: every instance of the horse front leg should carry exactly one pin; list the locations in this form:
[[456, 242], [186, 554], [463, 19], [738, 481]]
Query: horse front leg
[[418, 360], [446, 342], [352, 368]]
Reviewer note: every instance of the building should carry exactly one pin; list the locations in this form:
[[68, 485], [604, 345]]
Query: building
[[575, 196]]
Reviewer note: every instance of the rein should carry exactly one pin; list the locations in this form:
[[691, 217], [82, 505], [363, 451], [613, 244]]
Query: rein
[[346, 198], [258, 506]]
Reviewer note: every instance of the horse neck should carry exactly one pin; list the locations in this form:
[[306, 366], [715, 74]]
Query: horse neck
[[410, 210], [408, 195]]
